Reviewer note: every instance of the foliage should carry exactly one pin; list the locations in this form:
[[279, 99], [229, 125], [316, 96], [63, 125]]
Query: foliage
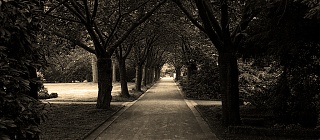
[[283, 35], [256, 83], [44, 94], [205, 83], [74, 65], [314, 8], [20, 114]]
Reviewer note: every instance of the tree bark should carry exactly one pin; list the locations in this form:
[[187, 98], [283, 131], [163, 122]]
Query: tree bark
[[178, 73], [123, 78], [138, 80], [144, 76], [191, 70], [104, 65], [157, 74], [150, 75], [114, 71], [229, 88], [94, 69]]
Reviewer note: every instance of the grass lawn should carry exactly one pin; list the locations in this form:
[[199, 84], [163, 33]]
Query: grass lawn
[[212, 114], [80, 92], [73, 121]]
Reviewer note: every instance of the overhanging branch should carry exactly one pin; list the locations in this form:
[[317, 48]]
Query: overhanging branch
[[189, 16], [135, 25], [75, 41]]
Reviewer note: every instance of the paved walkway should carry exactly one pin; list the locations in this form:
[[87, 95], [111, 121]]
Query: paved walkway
[[161, 113]]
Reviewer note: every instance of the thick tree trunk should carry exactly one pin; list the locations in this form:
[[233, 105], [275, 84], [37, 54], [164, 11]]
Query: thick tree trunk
[[145, 76], [157, 74], [229, 88], [151, 75], [104, 65], [94, 69], [178, 73], [138, 80], [123, 78], [191, 70]]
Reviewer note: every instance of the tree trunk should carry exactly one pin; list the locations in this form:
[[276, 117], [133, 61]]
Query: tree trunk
[[138, 80], [191, 70], [94, 69], [157, 74], [104, 65], [114, 71], [178, 73], [144, 76], [150, 75], [123, 78], [229, 88]]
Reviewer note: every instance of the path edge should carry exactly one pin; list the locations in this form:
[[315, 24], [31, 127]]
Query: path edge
[[94, 133], [203, 124]]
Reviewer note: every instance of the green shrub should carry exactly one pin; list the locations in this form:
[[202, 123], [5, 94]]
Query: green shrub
[[20, 114], [204, 84]]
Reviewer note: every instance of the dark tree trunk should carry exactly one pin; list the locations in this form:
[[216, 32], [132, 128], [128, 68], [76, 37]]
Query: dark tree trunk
[[229, 88], [156, 74], [144, 76], [151, 75], [178, 73], [104, 65], [123, 78], [191, 70], [282, 98], [138, 80]]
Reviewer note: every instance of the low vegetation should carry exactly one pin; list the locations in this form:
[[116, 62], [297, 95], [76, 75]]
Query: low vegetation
[[257, 125], [73, 121]]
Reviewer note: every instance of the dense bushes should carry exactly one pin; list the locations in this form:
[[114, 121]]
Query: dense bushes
[[256, 83], [204, 84], [20, 55], [285, 42], [290, 93], [69, 67]]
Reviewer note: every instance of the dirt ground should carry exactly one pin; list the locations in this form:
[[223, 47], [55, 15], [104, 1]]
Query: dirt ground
[[79, 91]]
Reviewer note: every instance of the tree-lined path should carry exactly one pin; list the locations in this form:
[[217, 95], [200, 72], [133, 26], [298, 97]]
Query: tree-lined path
[[161, 113]]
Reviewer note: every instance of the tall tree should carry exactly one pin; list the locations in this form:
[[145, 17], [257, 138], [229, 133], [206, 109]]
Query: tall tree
[[108, 24], [141, 52], [122, 53], [224, 22]]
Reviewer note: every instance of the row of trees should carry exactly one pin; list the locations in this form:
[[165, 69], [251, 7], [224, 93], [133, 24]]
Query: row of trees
[[107, 24], [145, 32], [267, 34]]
